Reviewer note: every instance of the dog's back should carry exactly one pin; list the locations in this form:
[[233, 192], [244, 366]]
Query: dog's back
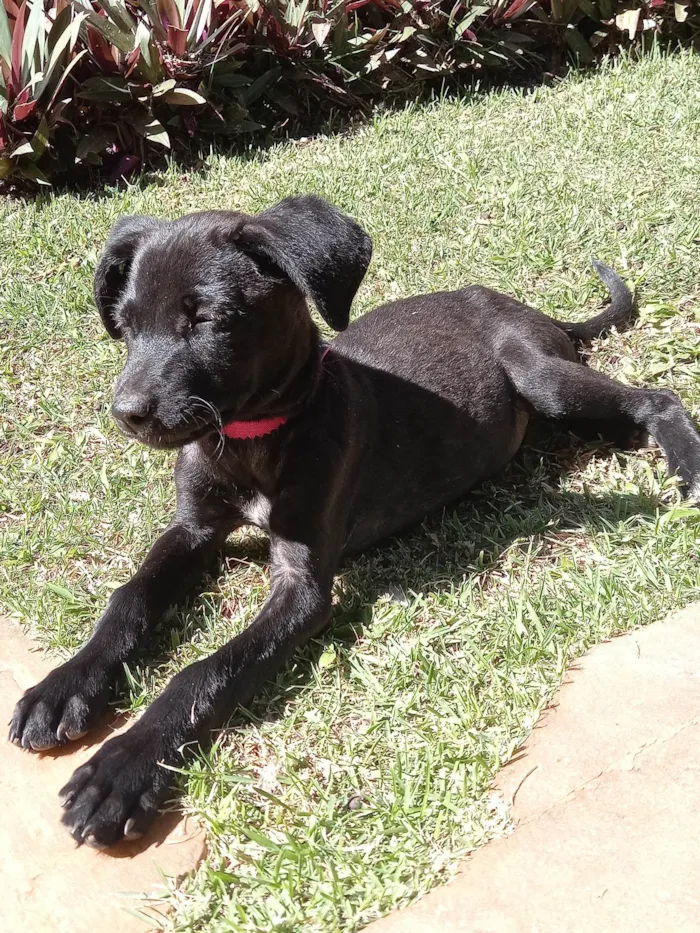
[[438, 413]]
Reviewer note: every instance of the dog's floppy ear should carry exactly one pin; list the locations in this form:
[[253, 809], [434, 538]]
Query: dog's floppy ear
[[113, 268], [321, 251]]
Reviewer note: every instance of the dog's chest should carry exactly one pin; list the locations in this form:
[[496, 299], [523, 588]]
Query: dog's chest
[[256, 510], [248, 472]]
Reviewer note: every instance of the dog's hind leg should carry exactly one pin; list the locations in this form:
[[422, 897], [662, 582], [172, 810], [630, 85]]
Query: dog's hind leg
[[564, 390], [621, 433]]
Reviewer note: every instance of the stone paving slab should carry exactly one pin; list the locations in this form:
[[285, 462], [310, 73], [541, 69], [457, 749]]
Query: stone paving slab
[[47, 882], [604, 798]]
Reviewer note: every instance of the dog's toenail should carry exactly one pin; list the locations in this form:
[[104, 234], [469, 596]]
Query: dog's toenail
[[72, 736], [92, 841], [129, 831]]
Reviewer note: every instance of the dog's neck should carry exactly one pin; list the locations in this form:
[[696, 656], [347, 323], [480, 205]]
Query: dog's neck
[[280, 404], [247, 430]]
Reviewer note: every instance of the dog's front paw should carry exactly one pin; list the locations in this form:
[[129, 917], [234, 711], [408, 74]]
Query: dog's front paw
[[62, 708], [118, 792]]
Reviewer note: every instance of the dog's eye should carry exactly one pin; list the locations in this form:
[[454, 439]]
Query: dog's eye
[[202, 317], [196, 314]]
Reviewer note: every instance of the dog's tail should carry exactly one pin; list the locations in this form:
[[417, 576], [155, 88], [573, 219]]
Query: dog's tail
[[618, 312]]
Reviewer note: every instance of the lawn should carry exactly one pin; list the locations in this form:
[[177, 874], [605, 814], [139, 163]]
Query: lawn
[[362, 775]]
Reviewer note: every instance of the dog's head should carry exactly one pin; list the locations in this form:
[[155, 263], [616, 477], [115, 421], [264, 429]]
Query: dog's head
[[213, 311]]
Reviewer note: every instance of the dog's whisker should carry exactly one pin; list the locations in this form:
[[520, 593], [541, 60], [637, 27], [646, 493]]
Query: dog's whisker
[[208, 407], [218, 426]]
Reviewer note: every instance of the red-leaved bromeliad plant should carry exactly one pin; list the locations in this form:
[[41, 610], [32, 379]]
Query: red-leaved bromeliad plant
[[105, 82]]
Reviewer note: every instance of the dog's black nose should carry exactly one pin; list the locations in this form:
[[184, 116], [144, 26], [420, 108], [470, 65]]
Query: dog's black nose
[[132, 411]]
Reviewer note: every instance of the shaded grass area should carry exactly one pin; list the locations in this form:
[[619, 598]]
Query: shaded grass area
[[361, 776]]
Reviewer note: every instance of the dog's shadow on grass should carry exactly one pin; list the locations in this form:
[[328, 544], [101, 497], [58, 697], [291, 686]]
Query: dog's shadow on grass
[[466, 539]]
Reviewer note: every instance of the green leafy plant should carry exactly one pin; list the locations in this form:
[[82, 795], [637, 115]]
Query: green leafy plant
[[106, 82]]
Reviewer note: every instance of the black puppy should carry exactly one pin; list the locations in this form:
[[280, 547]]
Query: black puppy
[[328, 449]]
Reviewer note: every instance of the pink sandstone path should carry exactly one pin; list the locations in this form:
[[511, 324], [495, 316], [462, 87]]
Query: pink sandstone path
[[605, 800]]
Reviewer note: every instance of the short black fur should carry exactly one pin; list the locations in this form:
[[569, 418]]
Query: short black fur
[[414, 403]]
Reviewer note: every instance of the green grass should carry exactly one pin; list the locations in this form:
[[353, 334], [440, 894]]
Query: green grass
[[361, 777]]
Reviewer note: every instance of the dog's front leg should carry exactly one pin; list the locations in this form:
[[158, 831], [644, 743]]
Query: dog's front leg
[[69, 701], [118, 792]]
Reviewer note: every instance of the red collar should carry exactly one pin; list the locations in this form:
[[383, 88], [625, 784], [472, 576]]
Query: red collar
[[246, 430]]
